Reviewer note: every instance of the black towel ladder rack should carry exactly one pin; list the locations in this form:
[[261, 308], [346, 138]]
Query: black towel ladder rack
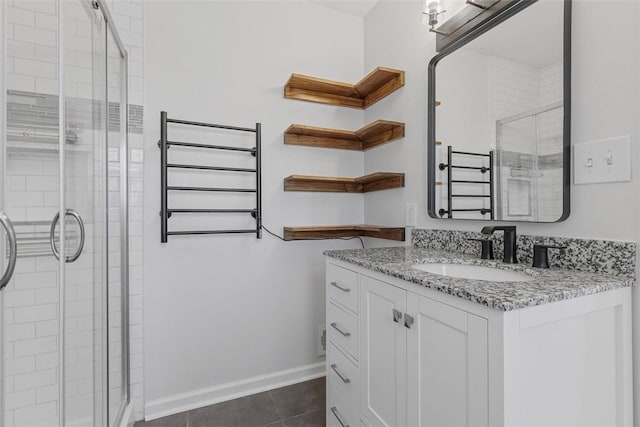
[[165, 213], [450, 181]]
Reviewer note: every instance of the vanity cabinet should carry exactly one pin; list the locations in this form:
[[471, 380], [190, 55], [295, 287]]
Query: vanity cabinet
[[447, 375], [418, 357], [343, 369], [383, 346], [423, 363]]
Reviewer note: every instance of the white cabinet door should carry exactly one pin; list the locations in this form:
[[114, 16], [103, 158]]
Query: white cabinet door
[[383, 353], [447, 366]]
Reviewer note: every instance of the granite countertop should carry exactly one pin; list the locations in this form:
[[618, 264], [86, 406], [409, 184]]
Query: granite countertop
[[548, 285]]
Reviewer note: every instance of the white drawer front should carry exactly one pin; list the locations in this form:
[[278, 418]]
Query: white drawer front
[[342, 329], [339, 413], [343, 286], [343, 375]]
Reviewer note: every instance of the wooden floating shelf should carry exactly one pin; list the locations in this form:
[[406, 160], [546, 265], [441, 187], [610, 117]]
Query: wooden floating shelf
[[332, 232], [364, 184], [374, 134], [372, 88]]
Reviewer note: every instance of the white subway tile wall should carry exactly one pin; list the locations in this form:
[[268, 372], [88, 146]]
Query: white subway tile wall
[[532, 146], [31, 300], [32, 195]]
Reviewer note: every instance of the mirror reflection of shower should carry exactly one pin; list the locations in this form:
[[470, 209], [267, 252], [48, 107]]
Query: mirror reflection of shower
[[529, 163], [504, 92]]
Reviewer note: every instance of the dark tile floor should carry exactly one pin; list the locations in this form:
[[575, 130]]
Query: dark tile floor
[[298, 405]]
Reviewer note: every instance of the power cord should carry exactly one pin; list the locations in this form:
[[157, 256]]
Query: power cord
[[319, 238], [272, 233]]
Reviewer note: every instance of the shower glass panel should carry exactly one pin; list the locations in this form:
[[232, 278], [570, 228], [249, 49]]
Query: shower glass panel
[[31, 185], [529, 159], [117, 220], [63, 190], [84, 168], [516, 183]]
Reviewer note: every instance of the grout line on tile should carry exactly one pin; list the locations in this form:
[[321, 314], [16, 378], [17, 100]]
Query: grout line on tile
[[299, 415], [275, 406]]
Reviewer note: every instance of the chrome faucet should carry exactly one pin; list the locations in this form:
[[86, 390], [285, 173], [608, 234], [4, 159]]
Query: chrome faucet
[[510, 245]]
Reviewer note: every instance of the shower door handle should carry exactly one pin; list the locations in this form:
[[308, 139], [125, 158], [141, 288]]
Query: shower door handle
[[13, 249], [54, 222]]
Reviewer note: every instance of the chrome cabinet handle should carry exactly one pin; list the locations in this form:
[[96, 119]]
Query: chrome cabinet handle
[[397, 316], [13, 249], [339, 374], [408, 321], [343, 333], [336, 414], [54, 222], [335, 284]]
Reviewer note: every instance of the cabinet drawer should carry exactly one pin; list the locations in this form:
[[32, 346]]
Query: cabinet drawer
[[339, 413], [342, 329], [343, 375], [343, 286]]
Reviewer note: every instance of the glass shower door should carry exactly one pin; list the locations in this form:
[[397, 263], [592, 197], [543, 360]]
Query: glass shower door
[[529, 147], [517, 164], [30, 158], [53, 311], [95, 198], [85, 223], [63, 184]]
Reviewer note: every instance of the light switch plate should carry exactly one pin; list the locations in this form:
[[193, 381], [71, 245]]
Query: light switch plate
[[607, 160]]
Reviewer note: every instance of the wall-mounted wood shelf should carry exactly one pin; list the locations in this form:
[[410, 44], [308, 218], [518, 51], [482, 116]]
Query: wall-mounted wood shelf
[[332, 232], [372, 88], [364, 184], [374, 134]]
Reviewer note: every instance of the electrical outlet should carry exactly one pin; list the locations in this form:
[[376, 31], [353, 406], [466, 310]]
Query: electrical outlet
[[322, 340], [410, 215]]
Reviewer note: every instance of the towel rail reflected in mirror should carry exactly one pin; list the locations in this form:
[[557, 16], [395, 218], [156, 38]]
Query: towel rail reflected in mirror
[[501, 84]]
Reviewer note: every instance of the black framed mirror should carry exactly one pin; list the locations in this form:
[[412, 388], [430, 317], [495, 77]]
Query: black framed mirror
[[499, 111]]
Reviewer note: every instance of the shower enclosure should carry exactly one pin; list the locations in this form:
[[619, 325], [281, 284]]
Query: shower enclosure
[[529, 172], [64, 215]]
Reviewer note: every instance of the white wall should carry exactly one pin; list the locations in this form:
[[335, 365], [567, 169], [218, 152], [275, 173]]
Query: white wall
[[605, 85], [221, 311], [470, 68], [605, 104], [226, 309]]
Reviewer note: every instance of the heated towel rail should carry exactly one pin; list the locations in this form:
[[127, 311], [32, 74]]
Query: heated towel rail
[[165, 212], [451, 195]]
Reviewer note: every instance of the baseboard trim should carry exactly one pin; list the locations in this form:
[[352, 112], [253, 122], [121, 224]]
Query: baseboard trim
[[208, 396]]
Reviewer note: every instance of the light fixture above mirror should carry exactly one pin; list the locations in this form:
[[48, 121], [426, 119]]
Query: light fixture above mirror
[[459, 13], [431, 14]]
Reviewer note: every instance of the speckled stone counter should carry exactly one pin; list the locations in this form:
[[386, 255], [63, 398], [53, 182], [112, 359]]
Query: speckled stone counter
[[596, 256], [546, 286]]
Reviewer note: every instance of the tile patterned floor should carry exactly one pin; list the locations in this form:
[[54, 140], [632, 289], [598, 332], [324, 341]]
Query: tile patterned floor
[[298, 405]]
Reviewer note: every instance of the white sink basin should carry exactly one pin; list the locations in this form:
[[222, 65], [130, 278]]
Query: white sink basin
[[476, 272]]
